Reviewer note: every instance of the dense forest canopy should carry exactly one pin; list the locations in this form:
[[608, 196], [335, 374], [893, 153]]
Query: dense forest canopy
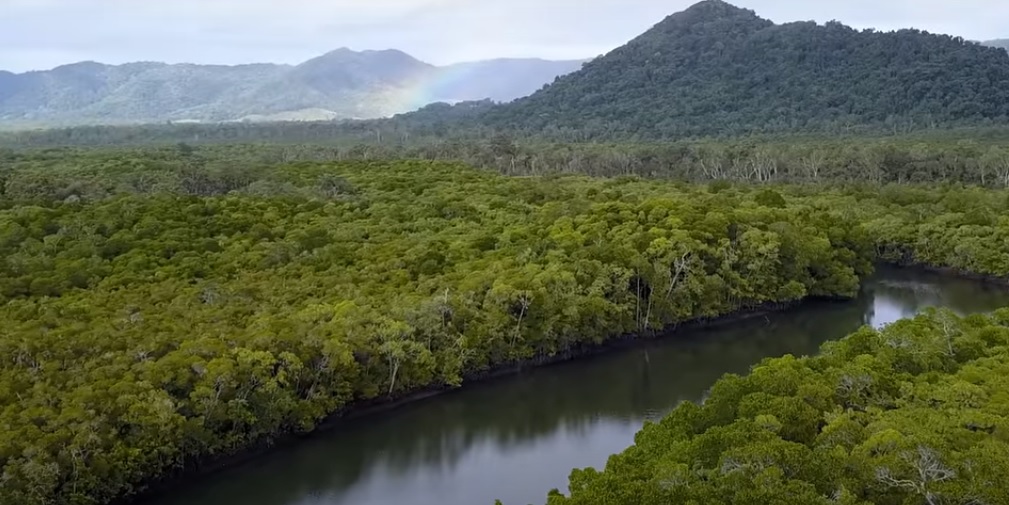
[[914, 413], [226, 285], [716, 69], [967, 157], [158, 315]]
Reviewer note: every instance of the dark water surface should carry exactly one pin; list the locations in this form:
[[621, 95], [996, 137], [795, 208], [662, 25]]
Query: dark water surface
[[516, 438]]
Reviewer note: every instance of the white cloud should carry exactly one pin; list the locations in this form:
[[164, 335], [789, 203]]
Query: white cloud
[[45, 33]]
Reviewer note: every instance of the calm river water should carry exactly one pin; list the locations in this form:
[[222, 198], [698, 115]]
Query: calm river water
[[516, 438]]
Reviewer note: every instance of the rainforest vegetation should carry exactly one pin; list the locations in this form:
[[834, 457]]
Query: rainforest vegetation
[[172, 294], [711, 70], [719, 69], [164, 306], [913, 414], [976, 157]]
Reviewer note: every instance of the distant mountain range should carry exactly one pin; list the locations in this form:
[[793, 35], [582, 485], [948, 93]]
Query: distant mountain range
[[342, 84], [713, 69], [716, 69]]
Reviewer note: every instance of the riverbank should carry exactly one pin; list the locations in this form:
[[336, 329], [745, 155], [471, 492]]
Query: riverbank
[[954, 272], [209, 468], [196, 472], [516, 438]]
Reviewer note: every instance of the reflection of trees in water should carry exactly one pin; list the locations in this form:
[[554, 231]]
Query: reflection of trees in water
[[515, 412], [918, 288], [908, 292], [574, 398]]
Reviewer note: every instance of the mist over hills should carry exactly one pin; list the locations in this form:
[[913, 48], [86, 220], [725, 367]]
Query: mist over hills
[[342, 84]]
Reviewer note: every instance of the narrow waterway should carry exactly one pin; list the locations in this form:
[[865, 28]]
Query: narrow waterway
[[516, 438]]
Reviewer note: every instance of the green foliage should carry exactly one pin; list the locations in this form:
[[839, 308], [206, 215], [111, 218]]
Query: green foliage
[[914, 413], [157, 315], [167, 305], [713, 70], [964, 229], [771, 198], [969, 156], [719, 69]]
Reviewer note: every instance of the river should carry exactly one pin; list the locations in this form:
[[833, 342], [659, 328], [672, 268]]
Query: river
[[518, 437]]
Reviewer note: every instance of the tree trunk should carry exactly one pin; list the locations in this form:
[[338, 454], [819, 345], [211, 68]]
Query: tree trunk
[[392, 375]]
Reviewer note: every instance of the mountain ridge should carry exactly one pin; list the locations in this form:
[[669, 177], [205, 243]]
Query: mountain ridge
[[715, 68], [340, 84]]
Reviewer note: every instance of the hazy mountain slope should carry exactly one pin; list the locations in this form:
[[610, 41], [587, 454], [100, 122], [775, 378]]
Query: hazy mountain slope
[[1002, 43], [719, 69], [339, 84], [146, 91], [346, 83], [501, 80]]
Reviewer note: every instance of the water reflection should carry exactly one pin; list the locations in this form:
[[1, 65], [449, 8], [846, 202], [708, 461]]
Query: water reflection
[[517, 438]]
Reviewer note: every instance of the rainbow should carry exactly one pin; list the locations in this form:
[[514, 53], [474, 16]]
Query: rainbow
[[449, 84]]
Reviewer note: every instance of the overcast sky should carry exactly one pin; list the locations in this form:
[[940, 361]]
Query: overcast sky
[[40, 34]]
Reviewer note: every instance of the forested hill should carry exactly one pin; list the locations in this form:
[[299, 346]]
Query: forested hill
[[337, 85], [719, 69]]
